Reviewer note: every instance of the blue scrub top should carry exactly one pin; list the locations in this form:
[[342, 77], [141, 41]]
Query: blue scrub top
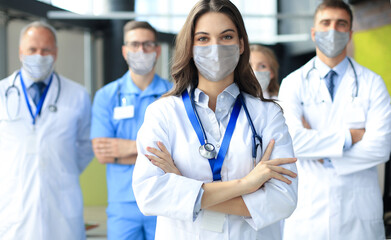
[[119, 177]]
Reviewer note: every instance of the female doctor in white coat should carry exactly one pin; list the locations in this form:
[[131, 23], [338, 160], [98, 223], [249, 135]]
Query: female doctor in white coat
[[339, 191], [234, 192], [43, 147]]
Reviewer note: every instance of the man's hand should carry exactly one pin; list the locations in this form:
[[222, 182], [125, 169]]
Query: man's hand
[[108, 149], [357, 134]]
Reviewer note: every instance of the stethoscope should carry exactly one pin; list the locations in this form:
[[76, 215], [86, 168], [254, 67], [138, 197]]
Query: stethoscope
[[354, 71], [122, 101], [13, 88], [208, 150]]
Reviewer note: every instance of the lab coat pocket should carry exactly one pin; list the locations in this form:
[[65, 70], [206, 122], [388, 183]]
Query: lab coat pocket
[[354, 114], [71, 197], [316, 112], [368, 204]]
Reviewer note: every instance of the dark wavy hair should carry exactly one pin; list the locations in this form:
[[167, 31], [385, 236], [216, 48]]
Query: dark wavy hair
[[184, 71]]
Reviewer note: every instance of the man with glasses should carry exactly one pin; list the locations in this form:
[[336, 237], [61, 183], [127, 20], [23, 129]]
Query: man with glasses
[[117, 114]]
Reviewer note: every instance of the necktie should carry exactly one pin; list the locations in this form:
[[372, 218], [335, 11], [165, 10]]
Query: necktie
[[38, 89], [330, 77]]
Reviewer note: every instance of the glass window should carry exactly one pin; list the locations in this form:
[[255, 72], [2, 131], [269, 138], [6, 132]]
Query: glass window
[[170, 15]]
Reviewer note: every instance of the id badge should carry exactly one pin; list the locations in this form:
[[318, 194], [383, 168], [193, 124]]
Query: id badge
[[123, 112], [32, 145], [213, 221]]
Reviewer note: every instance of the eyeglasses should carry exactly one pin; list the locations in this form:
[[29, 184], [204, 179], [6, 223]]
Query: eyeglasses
[[147, 45]]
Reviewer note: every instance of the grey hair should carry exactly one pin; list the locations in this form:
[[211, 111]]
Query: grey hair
[[38, 24]]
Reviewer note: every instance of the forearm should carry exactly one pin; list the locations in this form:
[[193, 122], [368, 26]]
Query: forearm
[[115, 150], [234, 206], [313, 144], [129, 160], [219, 192]]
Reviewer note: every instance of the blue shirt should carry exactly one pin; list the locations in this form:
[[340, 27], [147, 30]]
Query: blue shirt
[[340, 69], [119, 177], [28, 83]]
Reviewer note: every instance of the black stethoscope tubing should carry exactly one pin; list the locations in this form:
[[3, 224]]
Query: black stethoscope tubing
[[255, 135], [52, 107]]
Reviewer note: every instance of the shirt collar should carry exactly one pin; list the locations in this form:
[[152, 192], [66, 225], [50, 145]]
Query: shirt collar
[[156, 87], [323, 69], [128, 86], [202, 99]]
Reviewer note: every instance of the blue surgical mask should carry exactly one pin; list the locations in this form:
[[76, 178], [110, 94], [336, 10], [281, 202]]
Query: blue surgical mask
[[331, 42], [215, 62], [37, 67]]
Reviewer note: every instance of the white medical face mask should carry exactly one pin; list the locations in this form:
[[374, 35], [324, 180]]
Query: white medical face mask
[[263, 79], [37, 67], [141, 63], [215, 62], [332, 42]]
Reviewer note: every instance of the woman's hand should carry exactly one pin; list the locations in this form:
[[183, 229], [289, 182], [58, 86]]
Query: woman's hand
[[162, 159], [267, 169]]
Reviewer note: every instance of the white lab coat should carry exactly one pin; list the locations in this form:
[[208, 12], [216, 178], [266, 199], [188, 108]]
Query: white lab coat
[[343, 202], [40, 195], [172, 198]]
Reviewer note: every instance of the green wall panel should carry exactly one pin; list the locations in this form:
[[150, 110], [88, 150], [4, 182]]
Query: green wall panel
[[372, 49]]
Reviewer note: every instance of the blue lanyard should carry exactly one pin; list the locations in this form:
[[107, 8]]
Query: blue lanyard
[[215, 163], [41, 100]]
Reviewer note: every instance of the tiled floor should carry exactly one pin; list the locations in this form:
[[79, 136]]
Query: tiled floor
[[96, 215]]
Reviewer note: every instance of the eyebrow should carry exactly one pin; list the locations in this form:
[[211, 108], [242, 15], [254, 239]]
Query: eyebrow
[[343, 20], [227, 30], [199, 33], [333, 19]]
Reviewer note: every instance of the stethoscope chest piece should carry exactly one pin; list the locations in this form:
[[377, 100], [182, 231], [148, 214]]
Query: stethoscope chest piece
[[208, 151], [53, 108]]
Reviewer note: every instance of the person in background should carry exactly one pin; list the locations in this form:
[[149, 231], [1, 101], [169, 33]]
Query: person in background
[[244, 190], [339, 116], [264, 63], [117, 114], [44, 144]]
